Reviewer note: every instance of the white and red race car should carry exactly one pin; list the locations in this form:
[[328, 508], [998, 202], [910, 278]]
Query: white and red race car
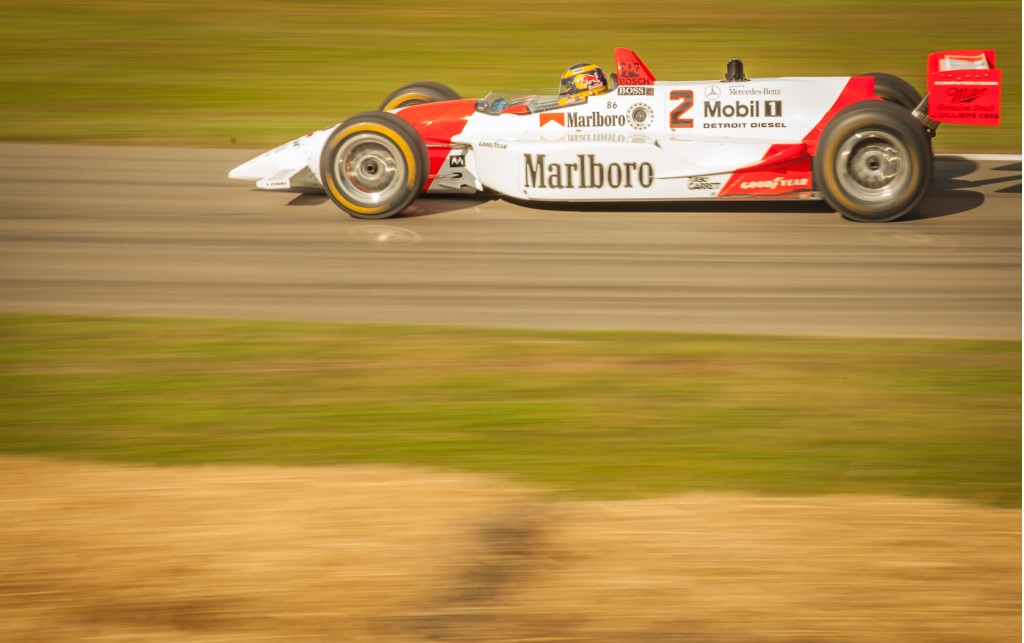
[[862, 143]]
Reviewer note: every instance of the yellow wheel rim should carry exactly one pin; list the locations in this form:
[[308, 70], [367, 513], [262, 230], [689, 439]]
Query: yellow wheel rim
[[372, 167]]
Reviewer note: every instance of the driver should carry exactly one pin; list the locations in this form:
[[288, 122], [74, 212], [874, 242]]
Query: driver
[[580, 82]]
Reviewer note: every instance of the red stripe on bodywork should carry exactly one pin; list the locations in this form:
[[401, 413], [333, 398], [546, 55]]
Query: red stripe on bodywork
[[857, 89], [782, 170], [437, 123], [786, 168]]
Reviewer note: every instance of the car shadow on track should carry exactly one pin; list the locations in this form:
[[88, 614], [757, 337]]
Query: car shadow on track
[[956, 187], [723, 206], [421, 207], [954, 190]]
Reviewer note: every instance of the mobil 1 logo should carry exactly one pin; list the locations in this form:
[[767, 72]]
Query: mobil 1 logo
[[742, 114]]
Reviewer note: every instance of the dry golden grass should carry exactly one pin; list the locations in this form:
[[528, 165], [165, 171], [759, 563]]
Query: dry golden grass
[[105, 553]]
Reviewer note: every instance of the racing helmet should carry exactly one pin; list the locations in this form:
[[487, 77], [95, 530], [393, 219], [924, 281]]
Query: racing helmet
[[581, 81]]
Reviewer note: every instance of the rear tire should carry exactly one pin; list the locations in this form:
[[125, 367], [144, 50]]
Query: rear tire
[[417, 93], [374, 165], [873, 162], [896, 90]]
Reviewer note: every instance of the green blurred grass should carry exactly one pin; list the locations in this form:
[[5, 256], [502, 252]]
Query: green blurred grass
[[583, 413], [257, 73]]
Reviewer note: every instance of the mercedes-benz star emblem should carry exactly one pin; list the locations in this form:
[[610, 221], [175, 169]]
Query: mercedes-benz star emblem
[[712, 92]]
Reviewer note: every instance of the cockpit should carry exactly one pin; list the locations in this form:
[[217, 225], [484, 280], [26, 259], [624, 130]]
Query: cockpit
[[579, 82]]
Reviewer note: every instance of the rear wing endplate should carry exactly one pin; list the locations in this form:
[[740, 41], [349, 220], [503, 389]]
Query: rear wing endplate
[[964, 87]]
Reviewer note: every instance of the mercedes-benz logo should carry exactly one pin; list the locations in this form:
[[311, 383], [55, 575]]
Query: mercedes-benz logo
[[712, 92]]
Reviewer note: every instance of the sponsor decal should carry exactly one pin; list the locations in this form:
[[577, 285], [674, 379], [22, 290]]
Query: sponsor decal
[[738, 109], [702, 183], [635, 91], [457, 161], [640, 116], [588, 81], [492, 144], [585, 173], [743, 110], [952, 114], [954, 62], [603, 137], [763, 125], [712, 92], [631, 73], [558, 118], [774, 184], [964, 88], [595, 119], [754, 91], [965, 94]]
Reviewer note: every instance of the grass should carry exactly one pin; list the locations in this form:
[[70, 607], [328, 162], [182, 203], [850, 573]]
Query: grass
[[587, 414], [258, 73]]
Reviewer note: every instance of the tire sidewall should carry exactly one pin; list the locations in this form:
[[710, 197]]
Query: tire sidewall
[[891, 119], [418, 93], [896, 90], [397, 132]]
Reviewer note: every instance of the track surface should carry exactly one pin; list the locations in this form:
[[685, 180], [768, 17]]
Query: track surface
[[162, 231]]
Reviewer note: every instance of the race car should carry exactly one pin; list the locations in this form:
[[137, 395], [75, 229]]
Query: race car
[[861, 143]]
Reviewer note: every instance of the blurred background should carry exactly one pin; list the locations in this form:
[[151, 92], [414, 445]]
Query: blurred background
[[169, 479], [256, 73]]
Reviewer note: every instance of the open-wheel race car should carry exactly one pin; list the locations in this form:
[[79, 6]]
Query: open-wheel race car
[[861, 143]]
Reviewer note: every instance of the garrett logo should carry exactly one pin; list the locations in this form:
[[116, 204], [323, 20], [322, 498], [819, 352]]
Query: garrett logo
[[702, 183]]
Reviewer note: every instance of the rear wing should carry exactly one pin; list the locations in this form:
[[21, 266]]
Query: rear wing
[[964, 87]]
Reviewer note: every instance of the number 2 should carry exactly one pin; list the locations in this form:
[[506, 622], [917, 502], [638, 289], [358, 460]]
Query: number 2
[[676, 121]]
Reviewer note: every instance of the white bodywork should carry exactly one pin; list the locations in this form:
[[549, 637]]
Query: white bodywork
[[668, 140]]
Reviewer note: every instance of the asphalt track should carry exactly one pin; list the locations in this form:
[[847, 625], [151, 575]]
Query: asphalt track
[[162, 231]]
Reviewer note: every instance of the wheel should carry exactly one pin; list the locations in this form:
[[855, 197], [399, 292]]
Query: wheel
[[416, 93], [895, 89], [873, 162], [374, 165]]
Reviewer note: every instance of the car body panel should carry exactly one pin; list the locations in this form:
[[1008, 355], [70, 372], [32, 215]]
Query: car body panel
[[644, 140]]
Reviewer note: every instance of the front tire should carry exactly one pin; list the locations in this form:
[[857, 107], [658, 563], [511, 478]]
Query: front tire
[[374, 165], [417, 93], [873, 162]]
